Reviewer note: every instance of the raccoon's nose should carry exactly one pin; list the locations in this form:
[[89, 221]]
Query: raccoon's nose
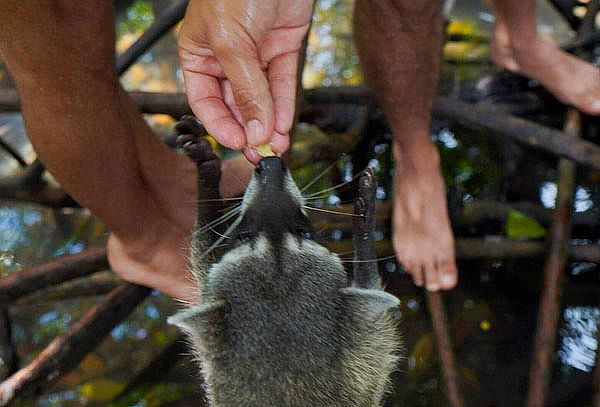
[[269, 166]]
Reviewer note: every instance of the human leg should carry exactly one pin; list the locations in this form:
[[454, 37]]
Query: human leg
[[95, 142], [517, 47], [399, 46]]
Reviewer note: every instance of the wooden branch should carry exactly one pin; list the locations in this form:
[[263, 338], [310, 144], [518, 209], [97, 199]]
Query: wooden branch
[[441, 331], [56, 271], [95, 285], [549, 309], [163, 23], [7, 349], [523, 131], [472, 116], [13, 153], [66, 351], [365, 271], [29, 186], [489, 249]]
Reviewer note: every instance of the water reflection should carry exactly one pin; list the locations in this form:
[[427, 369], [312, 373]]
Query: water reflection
[[579, 337]]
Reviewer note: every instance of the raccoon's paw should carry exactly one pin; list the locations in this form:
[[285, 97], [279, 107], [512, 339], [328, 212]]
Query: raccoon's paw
[[188, 124], [190, 138]]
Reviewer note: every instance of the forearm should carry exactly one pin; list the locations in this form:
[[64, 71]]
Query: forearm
[[399, 46]]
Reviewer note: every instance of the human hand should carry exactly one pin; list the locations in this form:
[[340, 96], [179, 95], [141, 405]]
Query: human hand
[[239, 61]]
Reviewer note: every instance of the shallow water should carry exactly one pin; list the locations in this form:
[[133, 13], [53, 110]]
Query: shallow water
[[492, 313]]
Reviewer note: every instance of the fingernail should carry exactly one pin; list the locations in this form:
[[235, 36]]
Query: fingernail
[[254, 131], [595, 104]]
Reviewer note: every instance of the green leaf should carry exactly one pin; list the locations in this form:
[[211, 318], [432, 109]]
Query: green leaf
[[521, 226], [102, 390]]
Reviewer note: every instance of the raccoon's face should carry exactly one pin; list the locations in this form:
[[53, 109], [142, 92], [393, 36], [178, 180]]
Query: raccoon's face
[[272, 207]]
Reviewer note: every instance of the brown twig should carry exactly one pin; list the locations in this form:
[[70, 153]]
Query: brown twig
[[163, 23], [365, 272], [66, 351], [441, 330], [56, 271], [8, 352], [545, 337], [13, 153], [31, 187]]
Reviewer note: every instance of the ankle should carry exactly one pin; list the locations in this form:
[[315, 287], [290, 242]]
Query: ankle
[[421, 157]]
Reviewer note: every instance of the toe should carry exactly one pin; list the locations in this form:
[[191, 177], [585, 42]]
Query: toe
[[591, 105], [432, 278], [415, 272], [448, 274]]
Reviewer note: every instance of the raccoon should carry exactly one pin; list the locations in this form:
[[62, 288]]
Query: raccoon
[[280, 323]]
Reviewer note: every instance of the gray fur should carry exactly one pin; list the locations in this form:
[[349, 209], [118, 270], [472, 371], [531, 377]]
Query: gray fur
[[279, 325]]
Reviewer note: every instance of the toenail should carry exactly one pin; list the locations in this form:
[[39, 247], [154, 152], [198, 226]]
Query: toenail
[[447, 279], [433, 287]]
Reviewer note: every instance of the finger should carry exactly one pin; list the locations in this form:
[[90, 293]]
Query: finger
[[282, 81], [206, 100], [251, 154], [280, 143], [230, 101], [250, 90]]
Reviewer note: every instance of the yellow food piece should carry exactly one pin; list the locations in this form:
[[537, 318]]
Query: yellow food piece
[[212, 141], [265, 150]]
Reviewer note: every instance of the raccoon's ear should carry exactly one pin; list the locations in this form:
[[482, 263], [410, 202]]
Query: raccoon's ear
[[195, 317], [371, 303]]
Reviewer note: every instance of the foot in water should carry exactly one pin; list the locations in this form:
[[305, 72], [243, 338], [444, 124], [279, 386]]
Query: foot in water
[[571, 80], [422, 235]]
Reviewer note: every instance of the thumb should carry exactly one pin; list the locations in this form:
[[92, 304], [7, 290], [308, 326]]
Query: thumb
[[250, 90]]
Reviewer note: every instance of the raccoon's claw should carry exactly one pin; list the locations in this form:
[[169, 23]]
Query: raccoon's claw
[[190, 125], [197, 148]]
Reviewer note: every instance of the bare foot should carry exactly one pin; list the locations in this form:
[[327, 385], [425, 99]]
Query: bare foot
[[572, 81], [422, 235]]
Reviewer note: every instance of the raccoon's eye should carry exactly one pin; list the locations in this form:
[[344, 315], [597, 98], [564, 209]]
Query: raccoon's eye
[[244, 236]]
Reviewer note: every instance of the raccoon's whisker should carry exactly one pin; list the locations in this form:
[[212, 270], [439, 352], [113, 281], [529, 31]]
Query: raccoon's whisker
[[316, 194], [220, 220], [320, 175], [230, 207], [237, 198], [390, 257], [333, 212], [220, 240], [217, 221], [219, 234]]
